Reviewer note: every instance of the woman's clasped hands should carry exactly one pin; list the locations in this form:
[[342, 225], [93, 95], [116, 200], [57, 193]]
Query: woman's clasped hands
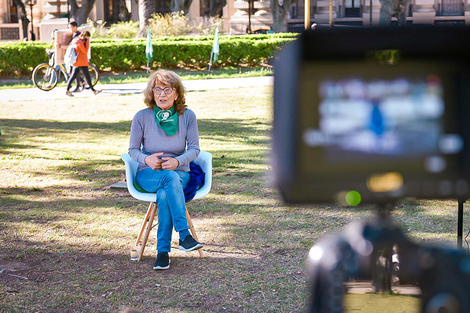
[[157, 162]]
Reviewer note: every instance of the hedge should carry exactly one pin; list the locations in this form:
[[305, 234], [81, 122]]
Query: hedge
[[206, 38], [169, 52]]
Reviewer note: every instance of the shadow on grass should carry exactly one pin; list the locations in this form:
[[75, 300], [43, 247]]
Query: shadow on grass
[[232, 130], [250, 132], [235, 127], [227, 130], [240, 219]]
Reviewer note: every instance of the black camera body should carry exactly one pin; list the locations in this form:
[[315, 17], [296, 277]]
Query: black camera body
[[371, 115], [363, 250]]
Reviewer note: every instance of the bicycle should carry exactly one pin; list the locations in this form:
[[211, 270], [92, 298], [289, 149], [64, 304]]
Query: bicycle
[[46, 76]]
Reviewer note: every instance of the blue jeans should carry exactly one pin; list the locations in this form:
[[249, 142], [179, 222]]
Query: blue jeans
[[169, 186]]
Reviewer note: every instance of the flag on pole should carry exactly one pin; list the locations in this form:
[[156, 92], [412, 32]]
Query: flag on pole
[[215, 49], [149, 49], [215, 45]]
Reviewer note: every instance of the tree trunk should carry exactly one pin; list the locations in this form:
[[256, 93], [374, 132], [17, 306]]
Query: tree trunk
[[181, 6], [146, 9], [124, 15], [80, 14], [177, 5], [279, 9], [186, 6], [386, 12], [388, 8], [403, 6], [23, 17], [215, 7], [205, 8]]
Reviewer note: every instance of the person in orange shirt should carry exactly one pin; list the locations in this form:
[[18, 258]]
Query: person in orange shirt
[[81, 45]]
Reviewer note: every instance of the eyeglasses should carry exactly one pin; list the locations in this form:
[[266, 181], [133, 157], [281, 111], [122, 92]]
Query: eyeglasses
[[166, 90]]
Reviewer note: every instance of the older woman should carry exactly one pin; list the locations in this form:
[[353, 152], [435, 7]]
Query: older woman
[[164, 140]]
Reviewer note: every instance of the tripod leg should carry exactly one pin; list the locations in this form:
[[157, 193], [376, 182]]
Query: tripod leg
[[460, 224]]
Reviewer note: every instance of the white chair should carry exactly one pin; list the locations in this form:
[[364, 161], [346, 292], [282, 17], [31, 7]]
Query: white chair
[[204, 160]]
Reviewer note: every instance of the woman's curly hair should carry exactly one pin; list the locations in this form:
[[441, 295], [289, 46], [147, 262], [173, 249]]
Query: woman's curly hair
[[170, 79]]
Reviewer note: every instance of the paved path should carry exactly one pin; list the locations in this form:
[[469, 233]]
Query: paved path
[[7, 95]]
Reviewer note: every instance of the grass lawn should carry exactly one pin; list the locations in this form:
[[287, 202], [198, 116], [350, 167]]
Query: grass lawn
[[65, 236]]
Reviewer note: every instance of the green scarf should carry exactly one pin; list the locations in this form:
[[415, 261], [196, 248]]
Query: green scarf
[[167, 120]]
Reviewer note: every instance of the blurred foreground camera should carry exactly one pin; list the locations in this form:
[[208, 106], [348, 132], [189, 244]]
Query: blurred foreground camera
[[373, 115]]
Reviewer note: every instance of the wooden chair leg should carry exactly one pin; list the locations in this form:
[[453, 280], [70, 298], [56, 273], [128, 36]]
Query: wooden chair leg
[[146, 228], [144, 224], [193, 231]]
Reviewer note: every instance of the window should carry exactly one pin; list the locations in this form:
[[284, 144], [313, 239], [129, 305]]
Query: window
[[450, 8], [111, 11], [13, 13], [349, 8]]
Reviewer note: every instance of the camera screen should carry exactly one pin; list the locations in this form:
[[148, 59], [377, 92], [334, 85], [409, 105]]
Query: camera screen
[[360, 121], [372, 114], [380, 117]]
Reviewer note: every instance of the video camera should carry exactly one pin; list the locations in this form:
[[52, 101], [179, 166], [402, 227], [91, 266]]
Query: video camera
[[371, 115], [364, 251]]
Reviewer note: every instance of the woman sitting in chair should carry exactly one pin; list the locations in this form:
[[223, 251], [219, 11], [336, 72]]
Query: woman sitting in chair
[[164, 140]]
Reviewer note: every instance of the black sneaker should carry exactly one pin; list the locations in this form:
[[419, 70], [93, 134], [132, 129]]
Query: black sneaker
[[162, 262], [189, 244]]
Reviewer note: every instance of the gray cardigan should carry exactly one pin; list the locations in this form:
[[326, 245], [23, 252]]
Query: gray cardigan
[[148, 138]]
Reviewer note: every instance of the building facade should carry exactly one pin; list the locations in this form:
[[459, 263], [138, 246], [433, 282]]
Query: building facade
[[240, 16], [367, 12]]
